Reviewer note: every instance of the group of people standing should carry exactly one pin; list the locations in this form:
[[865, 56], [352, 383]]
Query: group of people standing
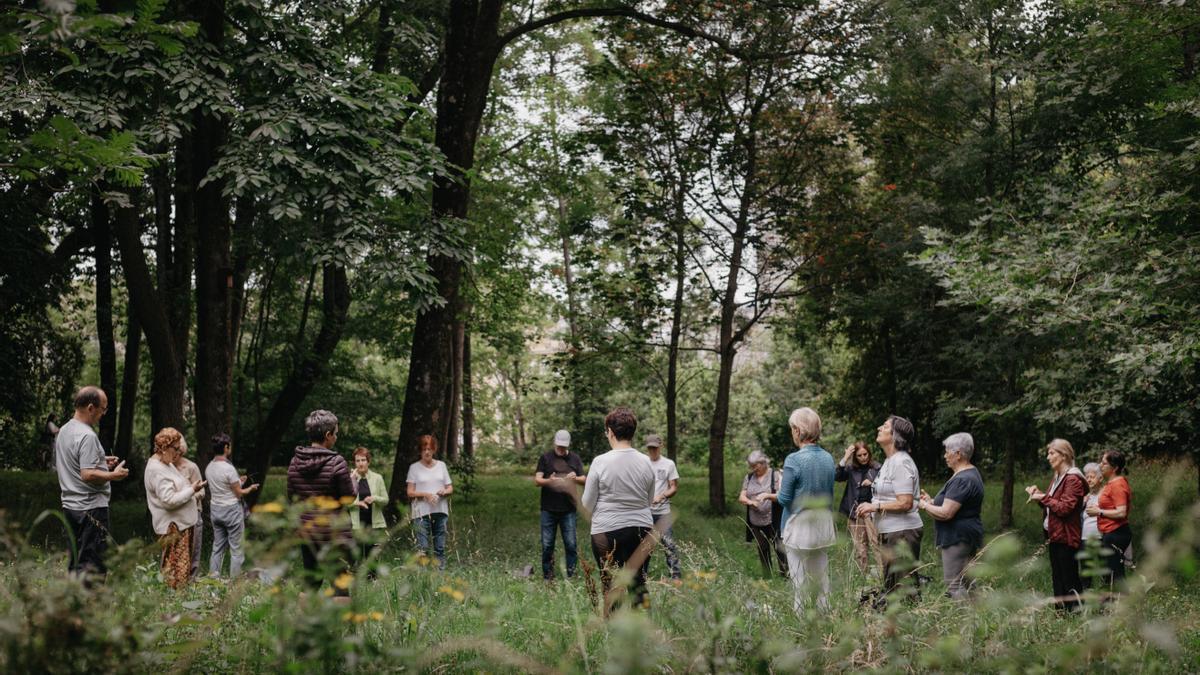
[[790, 512], [175, 492], [627, 493], [1079, 506]]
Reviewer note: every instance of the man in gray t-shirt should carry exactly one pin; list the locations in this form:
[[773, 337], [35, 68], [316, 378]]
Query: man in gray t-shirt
[[84, 474]]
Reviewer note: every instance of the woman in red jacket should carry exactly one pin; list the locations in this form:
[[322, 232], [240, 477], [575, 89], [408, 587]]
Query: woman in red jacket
[[1112, 514], [1063, 505]]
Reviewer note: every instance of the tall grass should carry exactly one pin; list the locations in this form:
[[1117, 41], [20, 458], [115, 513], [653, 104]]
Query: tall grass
[[483, 614]]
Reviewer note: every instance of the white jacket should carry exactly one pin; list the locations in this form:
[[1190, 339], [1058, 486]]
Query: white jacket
[[169, 495]]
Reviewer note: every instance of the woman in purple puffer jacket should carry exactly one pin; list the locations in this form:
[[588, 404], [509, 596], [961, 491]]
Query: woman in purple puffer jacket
[[321, 478]]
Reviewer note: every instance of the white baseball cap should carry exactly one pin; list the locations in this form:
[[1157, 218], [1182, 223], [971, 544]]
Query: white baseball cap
[[562, 438]]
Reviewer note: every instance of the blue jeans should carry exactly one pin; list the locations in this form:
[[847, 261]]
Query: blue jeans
[[551, 523], [437, 523], [668, 542]]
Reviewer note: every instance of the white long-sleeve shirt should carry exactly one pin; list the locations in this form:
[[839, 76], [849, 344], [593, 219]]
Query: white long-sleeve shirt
[[169, 496], [619, 489]]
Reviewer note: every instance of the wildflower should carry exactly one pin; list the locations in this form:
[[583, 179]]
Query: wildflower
[[458, 595], [274, 590], [377, 616], [328, 592], [343, 581], [889, 187], [346, 501], [269, 507], [347, 616]]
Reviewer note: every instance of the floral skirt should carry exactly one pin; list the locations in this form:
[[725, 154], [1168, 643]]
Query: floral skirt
[[176, 557]]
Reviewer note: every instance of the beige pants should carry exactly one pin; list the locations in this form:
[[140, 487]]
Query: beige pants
[[864, 536]]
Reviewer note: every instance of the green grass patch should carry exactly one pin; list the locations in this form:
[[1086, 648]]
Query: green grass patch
[[482, 615]]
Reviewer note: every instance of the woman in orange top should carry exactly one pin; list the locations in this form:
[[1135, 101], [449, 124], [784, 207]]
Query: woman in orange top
[[1112, 514]]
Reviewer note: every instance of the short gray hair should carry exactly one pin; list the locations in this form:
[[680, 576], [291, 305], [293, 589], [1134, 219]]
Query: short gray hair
[[1092, 466], [758, 456], [805, 424], [319, 423], [962, 443]]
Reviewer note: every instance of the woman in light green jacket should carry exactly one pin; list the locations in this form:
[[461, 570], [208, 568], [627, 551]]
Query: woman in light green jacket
[[367, 510]]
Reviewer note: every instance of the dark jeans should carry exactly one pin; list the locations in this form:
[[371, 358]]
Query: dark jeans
[[767, 540], [668, 542], [552, 522], [613, 550], [1064, 573], [901, 552], [90, 530], [433, 525], [320, 565], [1113, 546]]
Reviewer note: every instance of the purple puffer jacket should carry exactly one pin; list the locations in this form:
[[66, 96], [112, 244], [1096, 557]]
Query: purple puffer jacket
[[322, 478]]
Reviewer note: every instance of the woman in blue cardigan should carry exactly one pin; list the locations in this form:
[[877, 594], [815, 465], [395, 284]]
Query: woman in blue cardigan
[[806, 494]]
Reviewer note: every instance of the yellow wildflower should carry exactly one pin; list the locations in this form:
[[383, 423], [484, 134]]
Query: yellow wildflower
[[347, 616], [343, 581], [359, 618], [269, 507], [377, 616]]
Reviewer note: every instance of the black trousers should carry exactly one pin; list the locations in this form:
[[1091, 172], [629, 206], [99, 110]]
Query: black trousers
[[1114, 544], [90, 530], [1064, 573], [326, 561], [765, 537], [613, 551], [901, 552]]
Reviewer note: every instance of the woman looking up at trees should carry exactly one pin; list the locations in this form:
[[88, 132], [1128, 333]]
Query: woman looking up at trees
[[894, 503], [1112, 515], [1063, 506]]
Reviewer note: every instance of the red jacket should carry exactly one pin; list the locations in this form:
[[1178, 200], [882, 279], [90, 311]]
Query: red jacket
[[1063, 508]]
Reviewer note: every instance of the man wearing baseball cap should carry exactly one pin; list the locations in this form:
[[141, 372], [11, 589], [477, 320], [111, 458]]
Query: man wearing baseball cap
[[558, 472], [666, 482]]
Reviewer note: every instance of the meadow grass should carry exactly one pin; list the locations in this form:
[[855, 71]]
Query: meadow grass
[[483, 614]]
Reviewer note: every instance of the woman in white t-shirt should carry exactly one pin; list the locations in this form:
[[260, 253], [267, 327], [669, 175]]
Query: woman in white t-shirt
[[428, 489], [894, 504]]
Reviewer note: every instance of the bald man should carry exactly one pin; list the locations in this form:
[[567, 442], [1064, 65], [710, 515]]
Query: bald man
[[84, 477]]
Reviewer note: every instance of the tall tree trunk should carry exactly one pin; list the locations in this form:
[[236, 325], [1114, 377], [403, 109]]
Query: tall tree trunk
[[672, 393], [102, 242], [145, 302], [383, 38], [335, 288], [214, 265], [458, 335], [123, 447], [1010, 479], [468, 398], [727, 346], [471, 49], [519, 442]]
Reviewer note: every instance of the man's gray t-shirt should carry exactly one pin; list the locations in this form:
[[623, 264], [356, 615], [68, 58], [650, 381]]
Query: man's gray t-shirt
[[78, 447]]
